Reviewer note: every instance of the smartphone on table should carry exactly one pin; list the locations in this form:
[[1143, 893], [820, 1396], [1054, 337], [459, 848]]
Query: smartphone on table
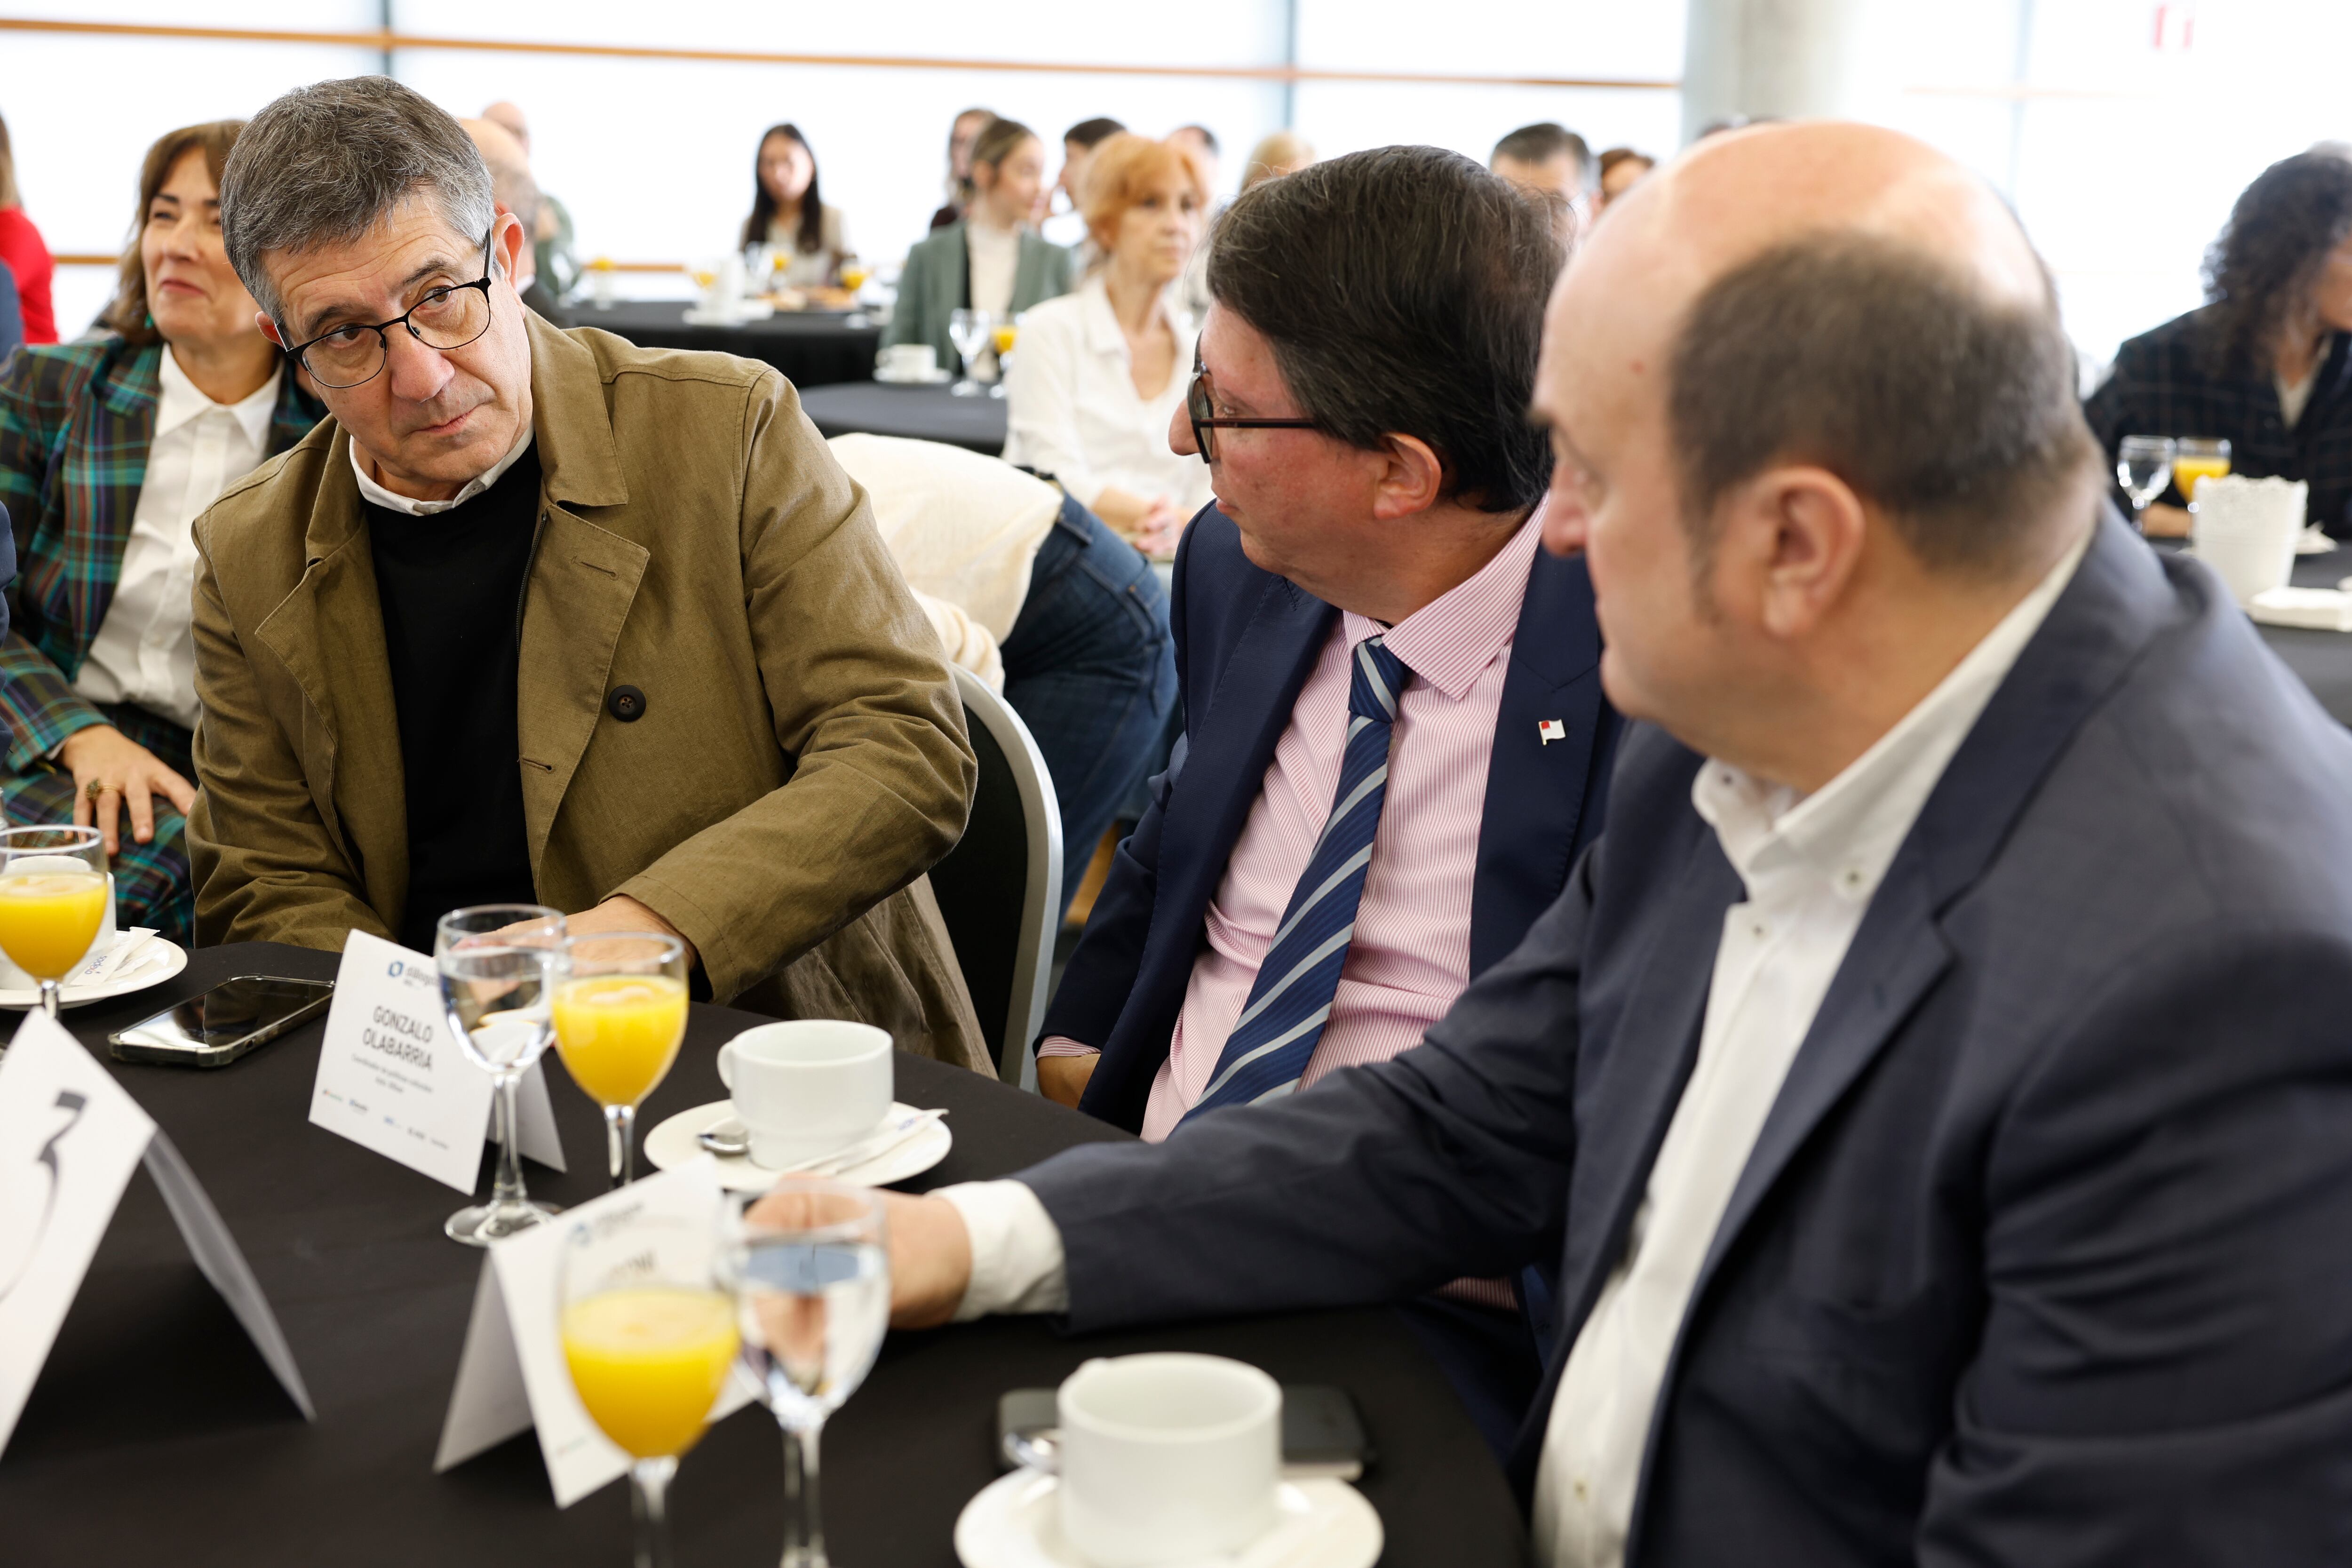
[[223, 1024]]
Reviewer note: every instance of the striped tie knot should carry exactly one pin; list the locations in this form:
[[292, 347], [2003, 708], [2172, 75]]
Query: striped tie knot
[[1379, 680]]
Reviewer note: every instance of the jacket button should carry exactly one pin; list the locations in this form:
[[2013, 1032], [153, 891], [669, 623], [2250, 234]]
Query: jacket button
[[626, 703]]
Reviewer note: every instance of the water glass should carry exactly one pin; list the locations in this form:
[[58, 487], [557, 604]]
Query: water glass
[[812, 1284], [620, 1016], [969, 331], [2143, 467], [497, 965], [53, 895]]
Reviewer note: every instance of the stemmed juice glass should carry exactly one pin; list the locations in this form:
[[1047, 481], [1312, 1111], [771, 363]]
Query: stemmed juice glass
[[649, 1339], [969, 331], [811, 1276], [53, 892], [1003, 337], [853, 273], [2198, 457], [498, 964], [620, 1014]]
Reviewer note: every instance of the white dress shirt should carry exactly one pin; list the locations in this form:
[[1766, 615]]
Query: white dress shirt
[[1071, 410], [1810, 866], [376, 494], [144, 652]]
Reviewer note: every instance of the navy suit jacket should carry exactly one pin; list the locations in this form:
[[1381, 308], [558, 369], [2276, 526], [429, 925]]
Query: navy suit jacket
[[1246, 641], [2041, 1256]]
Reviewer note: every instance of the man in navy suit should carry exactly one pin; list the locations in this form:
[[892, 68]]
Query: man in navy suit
[[1934, 1085], [1378, 484]]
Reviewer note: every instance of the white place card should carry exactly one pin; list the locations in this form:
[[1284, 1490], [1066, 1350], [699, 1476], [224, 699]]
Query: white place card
[[510, 1374], [391, 1079], [69, 1137]]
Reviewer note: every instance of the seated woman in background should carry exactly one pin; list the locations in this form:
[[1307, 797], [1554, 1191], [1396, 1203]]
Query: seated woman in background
[[28, 256], [1098, 375], [110, 447], [788, 214], [1280, 153], [2264, 364], [992, 258]]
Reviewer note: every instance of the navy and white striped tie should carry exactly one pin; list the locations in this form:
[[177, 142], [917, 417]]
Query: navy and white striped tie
[[1290, 1000]]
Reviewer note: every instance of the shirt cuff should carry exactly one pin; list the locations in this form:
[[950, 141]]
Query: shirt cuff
[[1063, 1046], [1016, 1250]]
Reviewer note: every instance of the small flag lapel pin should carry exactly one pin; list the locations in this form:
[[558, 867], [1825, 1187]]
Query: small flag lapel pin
[[1551, 729]]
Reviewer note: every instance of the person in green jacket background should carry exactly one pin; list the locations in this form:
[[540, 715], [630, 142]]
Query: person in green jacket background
[[992, 258]]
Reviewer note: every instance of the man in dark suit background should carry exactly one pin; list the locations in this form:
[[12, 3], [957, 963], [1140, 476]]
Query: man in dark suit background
[[1933, 1084], [1378, 484]]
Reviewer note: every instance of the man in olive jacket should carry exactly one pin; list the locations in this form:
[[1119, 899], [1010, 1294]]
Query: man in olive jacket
[[540, 615]]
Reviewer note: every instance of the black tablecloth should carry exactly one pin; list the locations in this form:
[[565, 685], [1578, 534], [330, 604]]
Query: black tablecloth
[[2323, 660], [812, 348], [157, 1434], [922, 413]]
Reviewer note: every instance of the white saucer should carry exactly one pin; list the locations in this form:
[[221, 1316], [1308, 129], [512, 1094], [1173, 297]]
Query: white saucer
[[1012, 1523], [926, 378], [158, 962], [677, 1141]]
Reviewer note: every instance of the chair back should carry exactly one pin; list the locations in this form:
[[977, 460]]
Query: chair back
[[1000, 887]]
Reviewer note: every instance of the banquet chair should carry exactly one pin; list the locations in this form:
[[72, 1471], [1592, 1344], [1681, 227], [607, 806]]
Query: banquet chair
[[999, 887]]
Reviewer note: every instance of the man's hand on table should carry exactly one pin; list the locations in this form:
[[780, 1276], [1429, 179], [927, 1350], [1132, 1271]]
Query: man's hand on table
[[1063, 1079], [930, 1251], [621, 914]]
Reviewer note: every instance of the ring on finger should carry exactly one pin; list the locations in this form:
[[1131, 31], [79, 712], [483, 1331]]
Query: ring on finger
[[97, 788]]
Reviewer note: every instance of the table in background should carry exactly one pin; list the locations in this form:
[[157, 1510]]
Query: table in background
[[812, 348], [156, 1434], [919, 412], [2323, 660]]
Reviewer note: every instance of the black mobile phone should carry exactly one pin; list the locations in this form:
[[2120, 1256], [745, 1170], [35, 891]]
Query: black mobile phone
[[225, 1023], [1322, 1435]]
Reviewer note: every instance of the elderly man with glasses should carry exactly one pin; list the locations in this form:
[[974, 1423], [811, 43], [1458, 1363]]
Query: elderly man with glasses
[[537, 617], [1395, 738]]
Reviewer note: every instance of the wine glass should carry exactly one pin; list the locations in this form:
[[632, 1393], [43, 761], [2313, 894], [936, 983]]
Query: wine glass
[[620, 1013], [53, 893], [812, 1283], [497, 966], [2198, 458], [649, 1339], [2143, 467], [969, 331], [1004, 338]]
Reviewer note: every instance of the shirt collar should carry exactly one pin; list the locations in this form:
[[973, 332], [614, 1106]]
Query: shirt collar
[[377, 495], [1449, 642], [178, 401], [1847, 832]]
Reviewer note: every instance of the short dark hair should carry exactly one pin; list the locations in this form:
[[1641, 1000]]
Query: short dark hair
[[1432, 333], [1953, 413], [1091, 133], [1541, 143]]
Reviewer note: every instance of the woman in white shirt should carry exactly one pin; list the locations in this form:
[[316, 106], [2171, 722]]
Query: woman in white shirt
[[1097, 375], [110, 447], [790, 218]]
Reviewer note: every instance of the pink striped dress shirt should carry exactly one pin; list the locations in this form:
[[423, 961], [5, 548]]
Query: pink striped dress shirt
[[1410, 957]]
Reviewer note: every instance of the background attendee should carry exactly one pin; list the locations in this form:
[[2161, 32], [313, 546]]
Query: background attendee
[[2267, 364], [1277, 154], [713, 712], [1202, 142], [991, 260], [1078, 617], [790, 215], [1065, 222], [1191, 293], [513, 188], [110, 447], [1390, 502], [1620, 169], [26, 255], [558, 268], [1554, 165], [1099, 373], [1933, 1084], [965, 130]]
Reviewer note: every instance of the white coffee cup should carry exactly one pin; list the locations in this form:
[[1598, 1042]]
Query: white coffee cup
[[807, 1087], [910, 361], [1167, 1457]]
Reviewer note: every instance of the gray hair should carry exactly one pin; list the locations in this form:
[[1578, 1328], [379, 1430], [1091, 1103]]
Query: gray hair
[[327, 162]]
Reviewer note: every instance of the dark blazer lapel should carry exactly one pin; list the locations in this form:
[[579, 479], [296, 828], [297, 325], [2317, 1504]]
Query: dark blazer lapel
[[1535, 788]]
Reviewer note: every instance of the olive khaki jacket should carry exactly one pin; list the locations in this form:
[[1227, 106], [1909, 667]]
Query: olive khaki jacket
[[799, 762]]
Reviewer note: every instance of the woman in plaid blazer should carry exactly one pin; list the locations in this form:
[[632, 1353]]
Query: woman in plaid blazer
[[110, 447]]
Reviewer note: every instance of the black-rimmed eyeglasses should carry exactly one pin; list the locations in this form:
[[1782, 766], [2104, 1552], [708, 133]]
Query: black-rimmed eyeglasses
[[447, 317], [1204, 422]]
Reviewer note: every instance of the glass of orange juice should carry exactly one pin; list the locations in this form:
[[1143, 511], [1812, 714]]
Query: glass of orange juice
[[53, 893], [649, 1338], [2195, 458], [620, 1014]]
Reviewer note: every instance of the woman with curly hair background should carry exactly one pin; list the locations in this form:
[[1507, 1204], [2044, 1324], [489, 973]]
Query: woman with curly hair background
[[2264, 364]]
